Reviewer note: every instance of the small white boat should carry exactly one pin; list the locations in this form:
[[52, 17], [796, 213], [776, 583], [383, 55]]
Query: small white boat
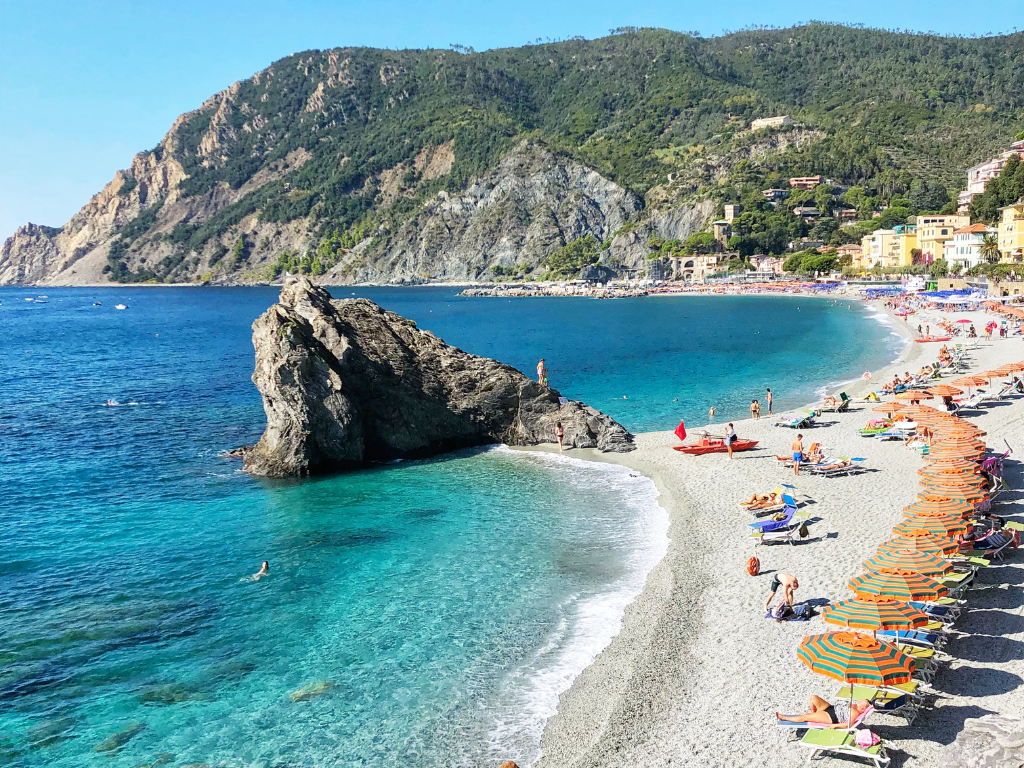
[[120, 306], [29, 299]]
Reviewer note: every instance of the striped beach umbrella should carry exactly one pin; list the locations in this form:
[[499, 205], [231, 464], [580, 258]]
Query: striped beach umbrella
[[921, 541], [855, 658], [874, 613], [970, 381], [969, 495], [925, 563], [940, 527], [936, 453], [954, 486], [962, 431], [913, 396], [944, 390], [886, 408], [897, 583], [955, 509], [953, 467]]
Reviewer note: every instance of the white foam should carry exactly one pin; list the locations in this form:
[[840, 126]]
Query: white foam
[[587, 625]]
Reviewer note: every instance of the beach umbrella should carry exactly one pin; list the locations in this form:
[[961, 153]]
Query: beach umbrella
[[970, 381], [944, 390], [949, 467], [944, 493], [953, 508], [925, 563], [937, 454], [988, 375], [922, 541], [941, 527], [913, 395], [887, 408], [897, 583], [954, 486], [874, 612], [855, 658]]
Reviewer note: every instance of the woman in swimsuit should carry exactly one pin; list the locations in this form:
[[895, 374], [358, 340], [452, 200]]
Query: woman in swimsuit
[[559, 433], [838, 715]]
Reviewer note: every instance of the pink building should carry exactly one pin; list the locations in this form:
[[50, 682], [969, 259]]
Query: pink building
[[979, 176], [768, 265]]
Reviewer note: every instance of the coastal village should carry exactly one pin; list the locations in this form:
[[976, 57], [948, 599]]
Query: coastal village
[[945, 246]]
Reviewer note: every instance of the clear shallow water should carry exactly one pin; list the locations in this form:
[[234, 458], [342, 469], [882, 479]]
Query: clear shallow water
[[436, 609]]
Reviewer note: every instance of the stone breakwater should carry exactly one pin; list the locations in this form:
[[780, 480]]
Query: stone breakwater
[[345, 383]]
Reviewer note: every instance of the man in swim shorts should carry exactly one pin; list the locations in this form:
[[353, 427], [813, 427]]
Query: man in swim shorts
[[788, 583], [798, 454]]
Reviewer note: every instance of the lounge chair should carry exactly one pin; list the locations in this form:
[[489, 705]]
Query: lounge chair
[[972, 403], [792, 727], [843, 466], [912, 637], [842, 404], [801, 421], [759, 509], [885, 702], [843, 743]]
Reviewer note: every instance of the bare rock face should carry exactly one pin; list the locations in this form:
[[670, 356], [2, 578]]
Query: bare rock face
[[345, 382], [991, 741]]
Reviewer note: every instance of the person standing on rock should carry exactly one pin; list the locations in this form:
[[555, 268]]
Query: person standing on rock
[[559, 433], [541, 370]]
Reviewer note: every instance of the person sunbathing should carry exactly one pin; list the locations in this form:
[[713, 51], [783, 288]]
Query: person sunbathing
[[836, 465], [830, 402], [838, 715], [759, 500]]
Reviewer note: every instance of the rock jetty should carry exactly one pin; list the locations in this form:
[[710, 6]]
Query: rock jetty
[[346, 383]]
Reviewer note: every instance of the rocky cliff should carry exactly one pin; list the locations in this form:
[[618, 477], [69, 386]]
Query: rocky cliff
[[345, 383]]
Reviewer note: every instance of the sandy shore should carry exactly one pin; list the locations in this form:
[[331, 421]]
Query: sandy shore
[[696, 673]]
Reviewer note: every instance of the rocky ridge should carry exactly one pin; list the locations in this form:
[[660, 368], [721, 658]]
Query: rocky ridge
[[346, 383]]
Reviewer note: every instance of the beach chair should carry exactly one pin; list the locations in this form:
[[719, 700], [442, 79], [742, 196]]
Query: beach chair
[[973, 403], [896, 703], [843, 743], [842, 404], [801, 421], [843, 466], [913, 637], [793, 728]]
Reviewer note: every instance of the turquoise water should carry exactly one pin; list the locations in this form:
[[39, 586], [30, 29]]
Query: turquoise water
[[431, 611]]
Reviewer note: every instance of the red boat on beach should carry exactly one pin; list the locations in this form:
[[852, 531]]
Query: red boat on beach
[[708, 444], [924, 339]]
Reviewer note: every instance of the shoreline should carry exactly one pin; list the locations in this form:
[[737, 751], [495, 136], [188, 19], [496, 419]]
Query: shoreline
[[645, 699]]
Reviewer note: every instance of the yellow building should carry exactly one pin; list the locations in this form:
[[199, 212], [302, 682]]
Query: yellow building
[[1011, 232], [879, 249], [934, 231], [906, 242]]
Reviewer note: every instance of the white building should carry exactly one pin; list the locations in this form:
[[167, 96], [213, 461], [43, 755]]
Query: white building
[[964, 248], [771, 122], [981, 174]]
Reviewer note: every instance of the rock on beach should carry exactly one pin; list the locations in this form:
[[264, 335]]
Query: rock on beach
[[346, 383]]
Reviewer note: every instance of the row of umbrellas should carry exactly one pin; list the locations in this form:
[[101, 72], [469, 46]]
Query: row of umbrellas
[[910, 566]]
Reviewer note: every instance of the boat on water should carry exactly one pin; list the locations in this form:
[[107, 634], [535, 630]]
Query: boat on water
[[120, 306], [710, 444]]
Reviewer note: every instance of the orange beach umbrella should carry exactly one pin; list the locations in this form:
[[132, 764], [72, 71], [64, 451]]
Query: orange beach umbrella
[[925, 563], [897, 583], [855, 658], [920, 540], [955, 508], [874, 612], [944, 390], [951, 467], [941, 527]]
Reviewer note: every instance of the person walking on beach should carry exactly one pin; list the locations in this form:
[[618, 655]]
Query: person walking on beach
[[559, 433], [788, 583], [768, 398], [541, 370], [798, 454], [730, 437]]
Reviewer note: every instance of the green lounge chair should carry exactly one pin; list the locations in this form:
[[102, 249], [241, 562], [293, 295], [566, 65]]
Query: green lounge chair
[[843, 743]]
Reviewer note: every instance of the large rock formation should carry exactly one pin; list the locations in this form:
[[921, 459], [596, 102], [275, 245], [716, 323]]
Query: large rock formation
[[345, 382]]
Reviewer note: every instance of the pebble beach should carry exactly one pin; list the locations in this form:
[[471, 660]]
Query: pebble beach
[[696, 673]]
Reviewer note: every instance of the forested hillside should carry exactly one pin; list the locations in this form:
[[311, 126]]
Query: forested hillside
[[364, 164]]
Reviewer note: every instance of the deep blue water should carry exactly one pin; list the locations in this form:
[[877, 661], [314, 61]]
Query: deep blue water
[[435, 609]]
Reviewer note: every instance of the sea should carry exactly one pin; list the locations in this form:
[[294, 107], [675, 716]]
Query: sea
[[421, 613]]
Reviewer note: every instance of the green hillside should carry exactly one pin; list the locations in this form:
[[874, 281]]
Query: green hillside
[[875, 110]]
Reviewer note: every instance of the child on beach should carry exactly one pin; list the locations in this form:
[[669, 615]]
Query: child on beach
[[798, 454]]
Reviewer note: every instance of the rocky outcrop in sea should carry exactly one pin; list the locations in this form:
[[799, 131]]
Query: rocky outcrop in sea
[[346, 383]]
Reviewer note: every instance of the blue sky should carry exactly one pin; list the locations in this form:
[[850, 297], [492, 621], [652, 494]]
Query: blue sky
[[86, 85]]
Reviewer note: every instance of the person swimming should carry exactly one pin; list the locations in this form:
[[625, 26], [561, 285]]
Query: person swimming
[[263, 571]]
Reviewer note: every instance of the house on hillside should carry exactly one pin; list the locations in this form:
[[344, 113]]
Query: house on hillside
[[980, 175], [770, 122], [805, 182], [767, 265], [934, 231], [774, 196], [694, 269], [806, 212]]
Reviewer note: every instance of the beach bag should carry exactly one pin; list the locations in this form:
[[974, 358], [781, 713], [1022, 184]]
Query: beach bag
[[866, 738], [753, 566], [804, 533]]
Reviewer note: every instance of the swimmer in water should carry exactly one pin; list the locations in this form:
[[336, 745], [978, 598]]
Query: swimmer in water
[[263, 571]]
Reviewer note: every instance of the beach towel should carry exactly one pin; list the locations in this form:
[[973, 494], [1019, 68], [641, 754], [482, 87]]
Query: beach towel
[[784, 613]]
